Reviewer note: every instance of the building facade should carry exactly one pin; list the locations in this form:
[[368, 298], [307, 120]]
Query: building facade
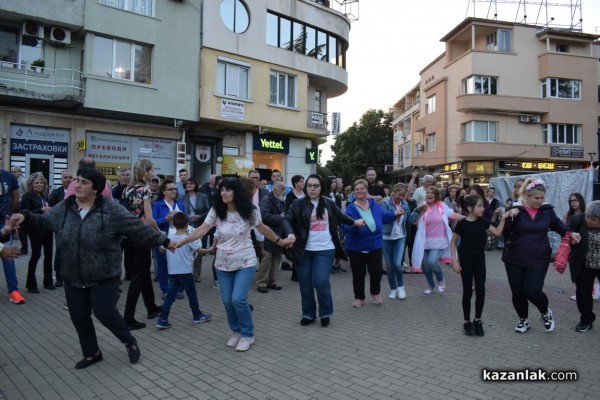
[[217, 87], [507, 99]]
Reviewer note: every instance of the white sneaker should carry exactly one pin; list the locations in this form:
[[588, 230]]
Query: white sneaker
[[233, 340], [393, 294], [244, 343], [401, 292], [522, 326], [441, 287], [548, 320], [574, 297], [428, 291]]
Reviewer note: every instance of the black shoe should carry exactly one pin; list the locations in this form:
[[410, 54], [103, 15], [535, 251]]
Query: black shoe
[[133, 350], [133, 325], [325, 322], [51, 287], [154, 314], [262, 289], [478, 327], [306, 321], [35, 290], [59, 284], [583, 327], [274, 287], [86, 362], [468, 328]]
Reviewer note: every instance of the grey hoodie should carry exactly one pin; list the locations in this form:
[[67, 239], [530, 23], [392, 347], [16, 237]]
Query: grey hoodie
[[90, 248]]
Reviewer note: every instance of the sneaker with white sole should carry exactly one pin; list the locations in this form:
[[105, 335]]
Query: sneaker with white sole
[[523, 326], [441, 287], [393, 294], [401, 292], [428, 291], [163, 324], [203, 317], [583, 327], [244, 343], [574, 297], [548, 320], [234, 339]]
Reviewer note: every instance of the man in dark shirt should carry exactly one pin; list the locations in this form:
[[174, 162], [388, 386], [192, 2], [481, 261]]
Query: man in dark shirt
[[124, 179], [376, 192], [58, 194]]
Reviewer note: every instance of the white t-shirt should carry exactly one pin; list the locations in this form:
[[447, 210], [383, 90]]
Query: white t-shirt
[[234, 249], [319, 237], [182, 260]]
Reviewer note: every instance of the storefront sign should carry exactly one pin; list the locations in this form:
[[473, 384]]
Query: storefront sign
[[566, 151], [237, 165], [231, 151], [232, 109], [312, 155], [161, 152], [38, 133], [480, 168], [268, 143], [532, 165], [18, 146], [454, 167]]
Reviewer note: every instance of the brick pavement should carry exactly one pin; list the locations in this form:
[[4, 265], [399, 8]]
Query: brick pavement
[[411, 349]]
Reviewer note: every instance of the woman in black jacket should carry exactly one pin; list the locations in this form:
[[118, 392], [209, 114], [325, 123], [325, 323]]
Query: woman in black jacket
[[35, 200], [314, 222]]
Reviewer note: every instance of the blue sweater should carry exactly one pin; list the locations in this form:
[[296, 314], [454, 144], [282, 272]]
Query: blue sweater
[[362, 239]]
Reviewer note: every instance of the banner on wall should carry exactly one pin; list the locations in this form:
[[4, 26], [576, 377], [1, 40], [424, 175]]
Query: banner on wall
[[237, 165], [162, 153]]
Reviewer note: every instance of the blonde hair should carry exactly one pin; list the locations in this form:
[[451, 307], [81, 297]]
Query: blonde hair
[[139, 171], [535, 185], [360, 182], [33, 177]]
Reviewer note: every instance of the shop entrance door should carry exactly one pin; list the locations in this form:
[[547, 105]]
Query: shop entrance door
[[40, 163]]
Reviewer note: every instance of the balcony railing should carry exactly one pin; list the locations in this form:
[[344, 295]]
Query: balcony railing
[[41, 82], [317, 120]]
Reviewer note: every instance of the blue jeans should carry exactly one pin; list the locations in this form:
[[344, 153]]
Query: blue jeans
[[432, 266], [234, 286], [10, 270], [313, 275], [176, 282], [393, 252]]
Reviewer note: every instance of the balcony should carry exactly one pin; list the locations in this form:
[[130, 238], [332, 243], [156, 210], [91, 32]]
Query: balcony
[[40, 84], [317, 120], [497, 103]]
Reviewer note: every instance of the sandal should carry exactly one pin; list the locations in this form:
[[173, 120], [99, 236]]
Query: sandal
[[133, 350]]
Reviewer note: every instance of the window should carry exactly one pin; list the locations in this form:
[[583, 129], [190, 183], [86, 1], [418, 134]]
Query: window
[[430, 106], [317, 101], [561, 88], [499, 40], [18, 49], [283, 89], [562, 48], [143, 7], [232, 78], [304, 39], [430, 142], [235, 15], [480, 131], [480, 85], [562, 134], [121, 60]]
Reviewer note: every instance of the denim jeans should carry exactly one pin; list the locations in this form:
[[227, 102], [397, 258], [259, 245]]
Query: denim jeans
[[10, 270], [393, 253], [176, 282], [102, 301], [313, 275], [431, 266], [234, 286]]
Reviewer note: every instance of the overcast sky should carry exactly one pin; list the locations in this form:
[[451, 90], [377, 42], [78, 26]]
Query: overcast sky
[[395, 39]]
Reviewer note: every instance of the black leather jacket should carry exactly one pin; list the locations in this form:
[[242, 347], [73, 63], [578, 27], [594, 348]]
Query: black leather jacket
[[297, 221]]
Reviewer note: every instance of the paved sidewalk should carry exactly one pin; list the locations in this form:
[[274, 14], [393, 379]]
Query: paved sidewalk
[[411, 349]]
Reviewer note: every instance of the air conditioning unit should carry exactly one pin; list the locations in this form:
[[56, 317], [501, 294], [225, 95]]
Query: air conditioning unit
[[419, 147], [529, 119], [32, 29], [60, 36]]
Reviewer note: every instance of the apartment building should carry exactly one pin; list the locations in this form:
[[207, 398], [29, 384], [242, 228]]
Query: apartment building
[[102, 78], [506, 99], [217, 87], [406, 113], [268, 68]]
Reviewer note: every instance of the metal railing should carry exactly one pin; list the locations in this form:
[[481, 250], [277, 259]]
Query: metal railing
[[317, 120], [41, 81]]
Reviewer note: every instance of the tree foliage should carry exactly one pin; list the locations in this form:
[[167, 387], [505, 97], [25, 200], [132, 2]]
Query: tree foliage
[[366, 144]]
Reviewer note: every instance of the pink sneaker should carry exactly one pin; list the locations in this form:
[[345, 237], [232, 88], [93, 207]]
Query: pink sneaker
[[356, 303], [377, 299]]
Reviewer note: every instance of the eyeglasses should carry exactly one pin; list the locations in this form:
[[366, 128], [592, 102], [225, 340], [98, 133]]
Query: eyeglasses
[[315, 186]]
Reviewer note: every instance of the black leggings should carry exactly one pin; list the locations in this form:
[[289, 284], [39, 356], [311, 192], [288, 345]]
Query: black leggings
[[526, 283], [361, 262], [473, 267]]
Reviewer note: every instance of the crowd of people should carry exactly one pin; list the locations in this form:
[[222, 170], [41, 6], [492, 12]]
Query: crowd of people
[[253, 229]]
